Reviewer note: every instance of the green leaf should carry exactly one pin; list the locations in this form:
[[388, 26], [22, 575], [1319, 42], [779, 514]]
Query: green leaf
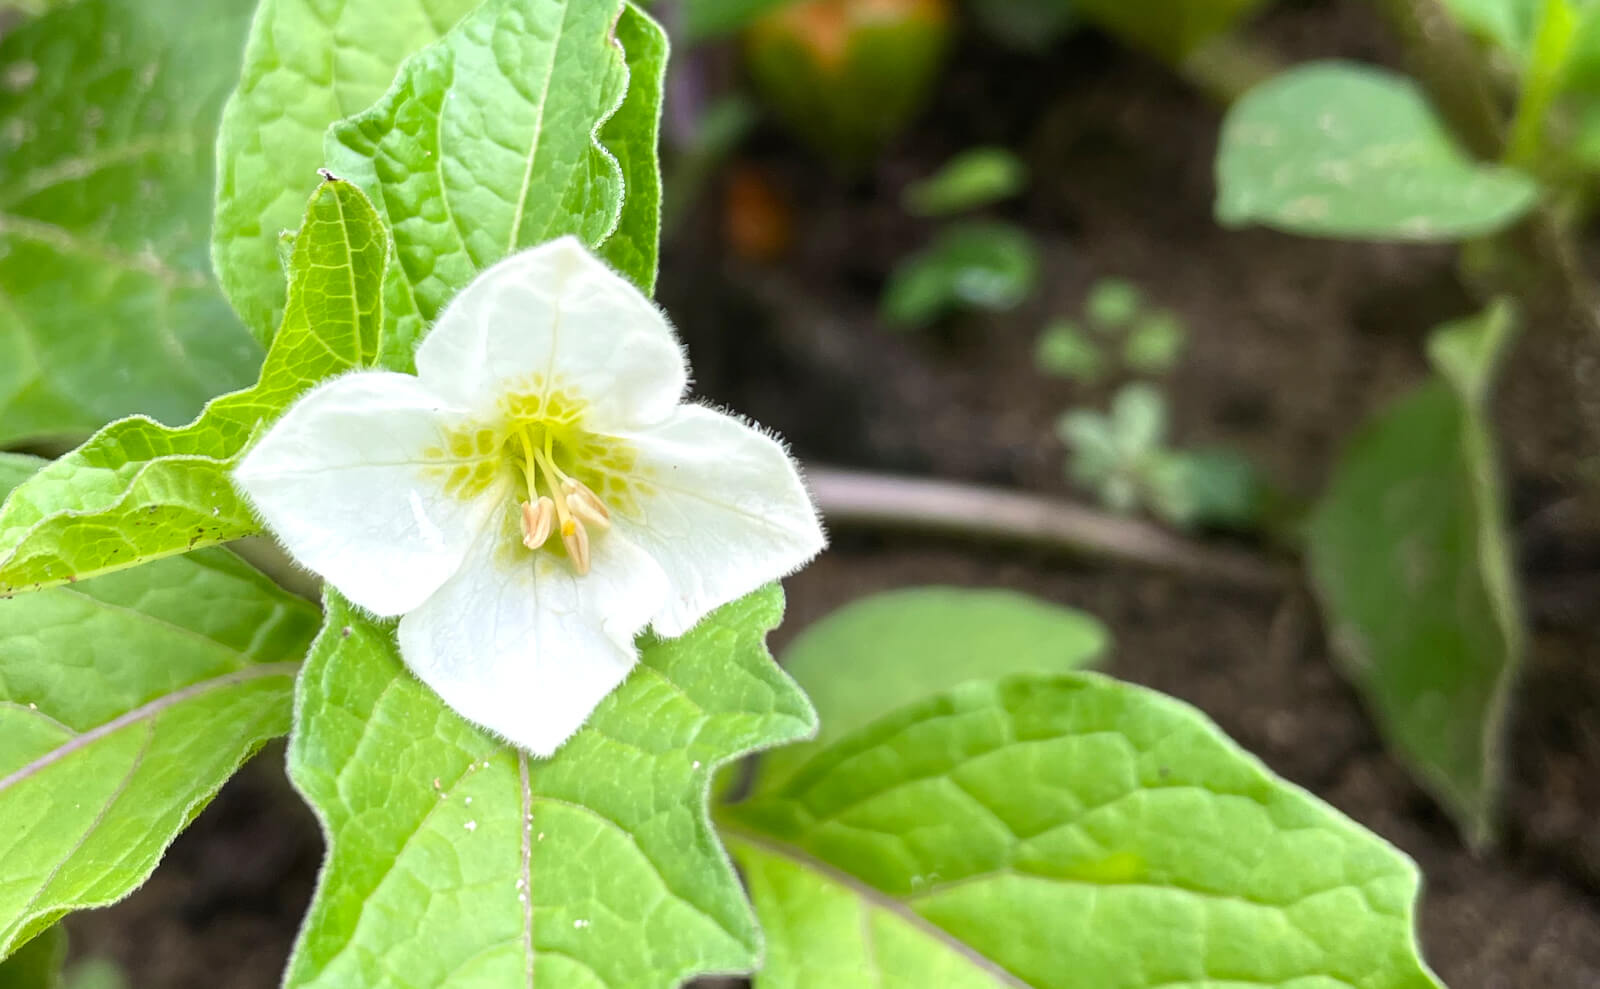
[[125, 702], [1066, 832], [1065, 350], [37, 964], [887, 650], [974, 178], [706, 19], [974, 265], [95, 973], [138, 490], [1409, 556], [1169, 29], [491, 141], [824, 929], [1508, 23], [1333, 149], [306, 65], [1112, 304], [107, 306], [1542, 79], [1218, 488], [456, 860], [1155, 343], [633, 135]]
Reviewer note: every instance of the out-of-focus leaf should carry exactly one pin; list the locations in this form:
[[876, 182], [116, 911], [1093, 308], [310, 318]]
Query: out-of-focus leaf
[[1065, 350], [1154, 344], [977, 266], [306, 65], [456, 860], [37, 964], [1065, 832], [975, 177], [707, 19], [896, 647], [1508, 23], [108, 110], [1213, 488], [1410, 559], [94, 973], [1169, 29], [1333, 149], [1112, 303], [125, 702], [138, 490], [1542, 79]]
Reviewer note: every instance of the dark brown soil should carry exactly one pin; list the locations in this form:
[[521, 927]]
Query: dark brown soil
[[1291, 342]]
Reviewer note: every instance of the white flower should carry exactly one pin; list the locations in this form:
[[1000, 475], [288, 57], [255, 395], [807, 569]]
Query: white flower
[[534, 497]]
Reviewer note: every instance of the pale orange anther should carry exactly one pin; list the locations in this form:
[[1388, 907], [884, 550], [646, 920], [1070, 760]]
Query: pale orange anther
[[537, 521], [576, 539], [586, 504]]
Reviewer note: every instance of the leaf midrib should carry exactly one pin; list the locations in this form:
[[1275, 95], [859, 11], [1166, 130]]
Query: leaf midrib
[[76, 168], [874, 898], [142, 714], [65, 241]]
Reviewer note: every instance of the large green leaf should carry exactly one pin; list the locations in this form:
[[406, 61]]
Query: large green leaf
[[490, 141], [1334, 149], [107, 306], [1409, 556], [1066, 832], [125, 702], [455, 860], [306, 65], [138, 490], [888, 650]]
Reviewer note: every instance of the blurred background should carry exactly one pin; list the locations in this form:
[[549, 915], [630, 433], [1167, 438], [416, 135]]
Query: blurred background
[[973, 242]]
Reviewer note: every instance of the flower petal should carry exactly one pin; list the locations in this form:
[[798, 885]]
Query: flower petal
[[344, 481], [725, 511], [520, 644], [554, 324]]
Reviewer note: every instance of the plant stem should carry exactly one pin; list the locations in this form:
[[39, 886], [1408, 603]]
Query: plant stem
[[1559, 298], [855, 498], [1452, 69]]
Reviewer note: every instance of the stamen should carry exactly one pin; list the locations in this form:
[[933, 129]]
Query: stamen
[[570, 504], [537, 521], [576, 539], [585, 504]]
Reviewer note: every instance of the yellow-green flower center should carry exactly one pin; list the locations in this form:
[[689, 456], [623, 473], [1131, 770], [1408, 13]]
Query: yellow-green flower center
[[555, 499], [567, 481]]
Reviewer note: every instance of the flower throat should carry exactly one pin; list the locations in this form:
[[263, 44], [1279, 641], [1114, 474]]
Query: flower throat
[[556, 501]]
